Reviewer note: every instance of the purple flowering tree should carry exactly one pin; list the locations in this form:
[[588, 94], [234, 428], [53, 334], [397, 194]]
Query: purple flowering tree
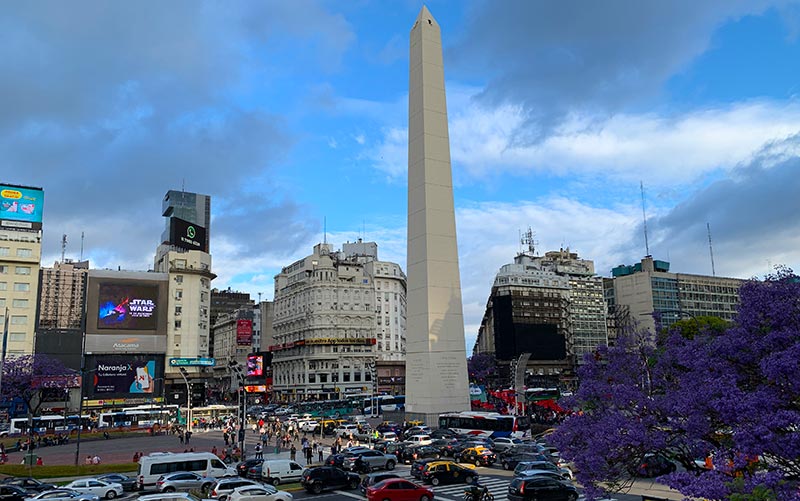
[[730, 395], [480, 367], [26, 376]]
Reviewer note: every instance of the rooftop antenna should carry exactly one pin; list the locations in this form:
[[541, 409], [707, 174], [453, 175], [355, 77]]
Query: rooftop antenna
[[259, 297], [527, 239], [644, 218], [63, 246], [711, 250], [183, 184], [81, 246], [325, 229]]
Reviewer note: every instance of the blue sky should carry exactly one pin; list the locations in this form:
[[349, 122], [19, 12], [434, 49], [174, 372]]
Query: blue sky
[[289, 113]]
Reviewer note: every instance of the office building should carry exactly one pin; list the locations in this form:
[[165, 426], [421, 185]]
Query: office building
[[636, 291], [20, 255]]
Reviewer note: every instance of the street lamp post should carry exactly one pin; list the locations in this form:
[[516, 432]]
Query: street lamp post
[[237, 370], [188, 400]]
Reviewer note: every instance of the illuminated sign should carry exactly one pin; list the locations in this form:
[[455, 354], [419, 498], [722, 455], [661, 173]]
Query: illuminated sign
[[332, 340], [187, 235], [244, 332], [127, 307], [255, 365], [121, 374], [256, 388], [21, 207]]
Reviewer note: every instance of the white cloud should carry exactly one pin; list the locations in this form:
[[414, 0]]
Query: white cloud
[[360, 139], [332, 143], [672, 149]]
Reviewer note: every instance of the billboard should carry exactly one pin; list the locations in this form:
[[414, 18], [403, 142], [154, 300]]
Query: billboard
[[255, 365], [21, 207], [187, 235], [127, 307], [244, 332], [115, 375]]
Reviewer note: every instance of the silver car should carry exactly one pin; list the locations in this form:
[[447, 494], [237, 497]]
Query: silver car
[[65, 495], [184, 481]]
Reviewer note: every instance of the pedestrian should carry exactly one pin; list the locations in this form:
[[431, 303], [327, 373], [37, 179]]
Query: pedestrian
[[259, 453], [214, 450], [309, 455], [321, 459], [180, 436], [188, 435], [293, 453]]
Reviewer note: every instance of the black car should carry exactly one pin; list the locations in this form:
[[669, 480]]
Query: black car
[[535, 488], [374, 478], [443, 433], [127, 483], [411, 454], [479, 456], [511, 461], [243, 467], [654, 465], [28, 483], [336, 460], [381, 446], [13, 493], [320, 478]]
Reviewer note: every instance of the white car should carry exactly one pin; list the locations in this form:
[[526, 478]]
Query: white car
[[261, 493], [99, 488], [345, 430], [309, 426]]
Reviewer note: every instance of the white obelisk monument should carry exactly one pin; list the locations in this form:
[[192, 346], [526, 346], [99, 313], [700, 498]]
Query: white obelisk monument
[[436, 360]]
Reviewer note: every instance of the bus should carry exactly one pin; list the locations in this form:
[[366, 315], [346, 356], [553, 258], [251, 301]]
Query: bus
[[143, 416], [385, 403], [48, 424], [327, 408], [212, 412], [539, 394], [486, 424]]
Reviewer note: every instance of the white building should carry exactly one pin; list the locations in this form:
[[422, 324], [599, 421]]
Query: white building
[[325, 323], [20, 254]]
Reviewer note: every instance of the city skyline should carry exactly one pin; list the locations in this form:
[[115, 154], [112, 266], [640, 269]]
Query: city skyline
[[291, 115]]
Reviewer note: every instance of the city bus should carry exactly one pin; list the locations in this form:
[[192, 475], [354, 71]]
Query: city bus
[[143, 416], [48, 424], [327, 408], [486, 424], [539, 394], [385, 403]]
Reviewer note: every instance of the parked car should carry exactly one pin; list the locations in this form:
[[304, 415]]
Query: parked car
[[369, 460], [374, 478], [398, 489], [479, 456], [243, 467], [414, 452], [502, 444], [654, 465], [127, 483], [541, 487], [448, 472], [97, 487], [171, 496], [320, 478], [224, 486], [184, 481], [29, 484], [260, 493], [13, 493], [65, 495]]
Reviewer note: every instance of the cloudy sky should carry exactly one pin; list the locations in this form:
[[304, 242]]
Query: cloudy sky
[[289, 113]]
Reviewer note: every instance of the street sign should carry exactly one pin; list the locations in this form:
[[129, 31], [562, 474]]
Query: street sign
[[192, 362]]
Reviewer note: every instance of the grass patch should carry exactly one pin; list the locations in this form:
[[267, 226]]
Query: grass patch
[[10, 442], [56, 471]]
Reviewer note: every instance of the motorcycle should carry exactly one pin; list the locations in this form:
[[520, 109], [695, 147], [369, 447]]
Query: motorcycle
[[484, 495]]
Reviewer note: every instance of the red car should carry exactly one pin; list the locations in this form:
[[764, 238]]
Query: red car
[[398, 489]]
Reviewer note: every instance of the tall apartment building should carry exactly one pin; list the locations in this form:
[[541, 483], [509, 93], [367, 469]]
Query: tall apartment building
[[234, 336], [20, 255], [551, 307], [225, 302], [183, 255], [325, 322], [634, 292]]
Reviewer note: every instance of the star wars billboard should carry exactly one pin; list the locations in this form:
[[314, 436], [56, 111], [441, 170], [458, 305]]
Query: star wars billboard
[[127, 307]]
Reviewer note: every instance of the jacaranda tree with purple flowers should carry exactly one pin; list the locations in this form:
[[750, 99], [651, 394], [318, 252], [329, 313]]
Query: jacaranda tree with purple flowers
[[481, 366], [25, 377], [729, 398]]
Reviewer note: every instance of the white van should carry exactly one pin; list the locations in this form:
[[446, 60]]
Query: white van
[[151, 467], [420, 440], [280, 471]]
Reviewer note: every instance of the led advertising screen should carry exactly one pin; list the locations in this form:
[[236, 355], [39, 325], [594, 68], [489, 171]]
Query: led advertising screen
[[187, 235], [244, 332], [255, 365], [21, 207], [124, 375], [127, 307]]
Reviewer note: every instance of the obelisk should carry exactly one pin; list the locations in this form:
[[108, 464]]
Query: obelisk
[[436, 360]]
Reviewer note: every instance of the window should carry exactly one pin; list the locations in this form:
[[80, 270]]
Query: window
[[22, 270], [3, 286], [3, 269], [178, 293], [21, 287], [4, 251], [19, 320], [178, 310], [2, 302], [24, 252], [179, 279], [177, 324], [19, 303]]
